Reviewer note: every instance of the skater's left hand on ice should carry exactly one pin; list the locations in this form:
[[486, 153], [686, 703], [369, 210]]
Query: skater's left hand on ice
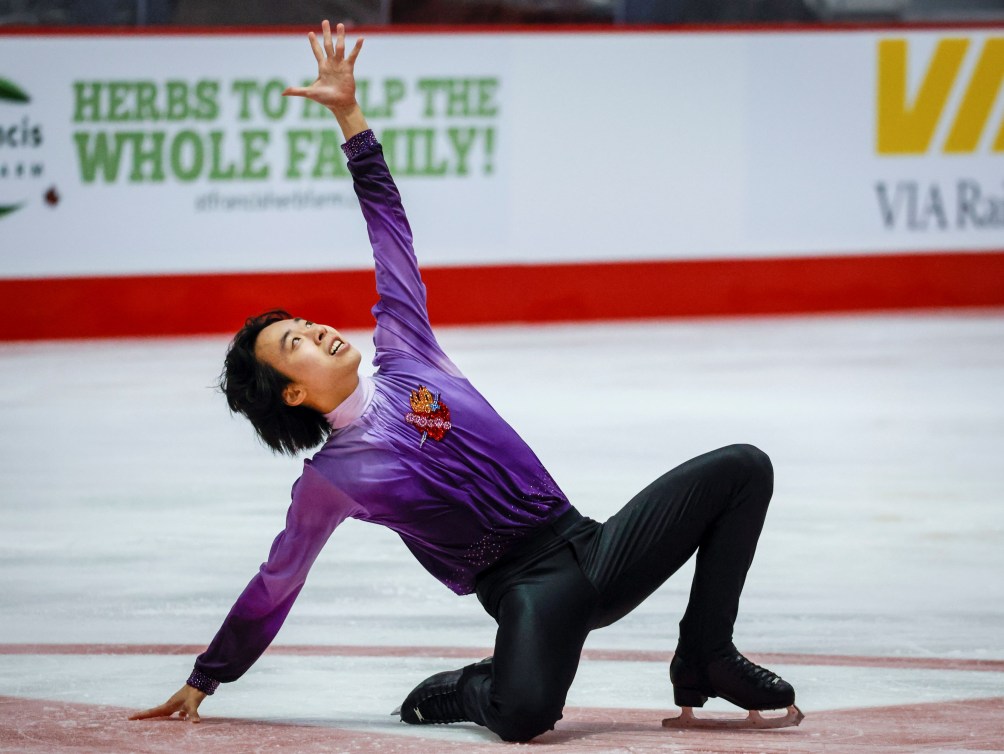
[[186, 703]]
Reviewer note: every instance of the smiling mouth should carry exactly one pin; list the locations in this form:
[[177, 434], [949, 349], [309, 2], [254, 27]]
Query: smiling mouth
[[336, 346]]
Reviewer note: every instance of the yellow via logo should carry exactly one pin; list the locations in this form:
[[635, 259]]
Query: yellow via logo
[[908, 127]]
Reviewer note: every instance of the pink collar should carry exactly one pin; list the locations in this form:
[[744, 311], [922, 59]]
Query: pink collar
[[354, 406]]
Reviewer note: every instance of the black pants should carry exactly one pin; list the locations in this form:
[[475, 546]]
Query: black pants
[[576, 575]]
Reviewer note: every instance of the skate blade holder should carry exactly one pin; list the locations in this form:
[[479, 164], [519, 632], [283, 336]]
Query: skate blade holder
[[687, 719]]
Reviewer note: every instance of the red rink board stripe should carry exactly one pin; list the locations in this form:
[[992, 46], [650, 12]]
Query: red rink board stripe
[[615, 655], [159, 305]]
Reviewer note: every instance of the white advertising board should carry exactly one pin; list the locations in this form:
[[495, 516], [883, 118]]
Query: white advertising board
[[164, 154]]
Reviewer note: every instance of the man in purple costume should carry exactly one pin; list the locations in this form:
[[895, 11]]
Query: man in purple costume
[[416, 448]]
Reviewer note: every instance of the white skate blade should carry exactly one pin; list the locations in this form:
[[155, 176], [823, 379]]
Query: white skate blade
[[397, 711], [687, 719]]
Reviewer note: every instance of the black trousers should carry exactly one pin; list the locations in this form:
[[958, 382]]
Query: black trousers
[[576, 575]]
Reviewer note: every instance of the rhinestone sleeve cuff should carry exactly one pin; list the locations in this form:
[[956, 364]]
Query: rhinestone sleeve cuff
[[361, 142], [203, 682]]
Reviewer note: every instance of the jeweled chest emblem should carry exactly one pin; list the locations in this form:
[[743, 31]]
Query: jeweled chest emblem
[[429, 415]]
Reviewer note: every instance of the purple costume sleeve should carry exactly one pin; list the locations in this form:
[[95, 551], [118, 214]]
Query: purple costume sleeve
[[259, 612], [401, 315]]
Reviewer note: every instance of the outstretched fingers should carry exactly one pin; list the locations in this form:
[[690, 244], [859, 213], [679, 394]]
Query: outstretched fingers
[[164, 710], [186, 711], [185, 702], [355, 51], [316, 47], [192, 715], [335, 85], [333, 50], [328, 48]]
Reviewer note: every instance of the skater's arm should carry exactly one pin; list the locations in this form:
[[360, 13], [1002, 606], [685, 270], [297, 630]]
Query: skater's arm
[[402, 319], [258, 614], [260, 611], [401, 314]]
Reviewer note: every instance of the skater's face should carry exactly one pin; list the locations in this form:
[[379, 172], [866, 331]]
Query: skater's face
[[323, 367]]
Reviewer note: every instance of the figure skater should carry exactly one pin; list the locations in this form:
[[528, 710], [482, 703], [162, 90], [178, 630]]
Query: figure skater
[[416, 448]]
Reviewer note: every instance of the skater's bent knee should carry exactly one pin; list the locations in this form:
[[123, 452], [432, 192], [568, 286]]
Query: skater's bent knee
[[754, 461], [525, 723], [521, 732], [746, 453]]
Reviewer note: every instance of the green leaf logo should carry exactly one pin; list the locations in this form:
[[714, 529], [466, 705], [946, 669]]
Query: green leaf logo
[[11, 92]]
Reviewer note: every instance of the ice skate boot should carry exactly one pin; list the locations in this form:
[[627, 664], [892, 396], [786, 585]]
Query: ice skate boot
[[436, 700], [732, 677]]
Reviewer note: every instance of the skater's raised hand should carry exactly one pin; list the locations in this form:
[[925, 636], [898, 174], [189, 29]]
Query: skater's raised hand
[[186, 703], [335, 87]]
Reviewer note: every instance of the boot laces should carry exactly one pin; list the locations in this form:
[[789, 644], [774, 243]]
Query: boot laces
[[760, 676], [440, 707]]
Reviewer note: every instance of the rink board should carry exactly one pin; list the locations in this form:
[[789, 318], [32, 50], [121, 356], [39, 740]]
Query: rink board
[[799, 170]]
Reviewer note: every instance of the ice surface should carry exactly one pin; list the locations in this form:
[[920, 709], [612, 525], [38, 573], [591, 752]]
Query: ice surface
[[133, 509]]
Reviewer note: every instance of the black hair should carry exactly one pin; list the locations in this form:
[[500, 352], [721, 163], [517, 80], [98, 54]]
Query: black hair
[[254, 389]]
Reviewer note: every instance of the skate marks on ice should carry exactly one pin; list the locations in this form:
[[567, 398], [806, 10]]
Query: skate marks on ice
[[36, 726]]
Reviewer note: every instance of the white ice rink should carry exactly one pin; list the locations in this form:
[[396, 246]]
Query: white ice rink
[[134, 510]]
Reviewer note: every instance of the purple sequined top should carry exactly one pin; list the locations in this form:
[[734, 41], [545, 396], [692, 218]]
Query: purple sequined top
[[427, 457]]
